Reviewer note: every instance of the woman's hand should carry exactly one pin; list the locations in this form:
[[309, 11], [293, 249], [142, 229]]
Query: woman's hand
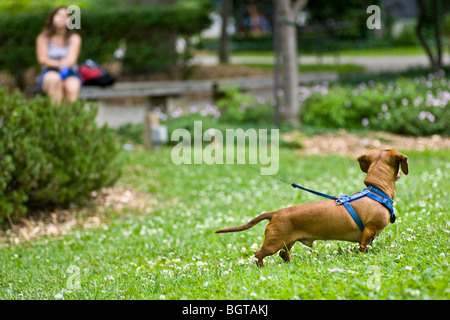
[[63, 63]]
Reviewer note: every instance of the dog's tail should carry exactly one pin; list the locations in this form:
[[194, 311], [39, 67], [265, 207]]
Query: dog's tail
[[261, 217]]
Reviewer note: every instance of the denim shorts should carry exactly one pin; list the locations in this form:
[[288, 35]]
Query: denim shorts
[[72, 73]]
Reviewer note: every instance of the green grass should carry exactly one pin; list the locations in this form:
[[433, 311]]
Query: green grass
[[340, 68], [174, 253], [394, 51]]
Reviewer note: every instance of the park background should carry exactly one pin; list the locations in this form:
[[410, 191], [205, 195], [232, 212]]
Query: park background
[[90, 210]]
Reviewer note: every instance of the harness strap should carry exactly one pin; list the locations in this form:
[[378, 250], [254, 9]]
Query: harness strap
[[379, 197], [384, 200], [354, 215]]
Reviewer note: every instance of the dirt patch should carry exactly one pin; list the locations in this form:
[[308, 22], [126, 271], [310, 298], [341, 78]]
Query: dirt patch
[[63, 221], [353, 145]]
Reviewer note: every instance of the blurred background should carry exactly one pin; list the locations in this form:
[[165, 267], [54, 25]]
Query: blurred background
[[165, 39], [224, 57]]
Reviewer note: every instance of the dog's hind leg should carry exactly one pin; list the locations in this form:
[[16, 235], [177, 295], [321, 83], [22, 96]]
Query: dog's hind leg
[[264, 252], [285, 253], [271, 246]]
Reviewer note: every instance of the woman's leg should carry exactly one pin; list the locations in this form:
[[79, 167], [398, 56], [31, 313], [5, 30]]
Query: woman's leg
[[72, 87], [53, 86]]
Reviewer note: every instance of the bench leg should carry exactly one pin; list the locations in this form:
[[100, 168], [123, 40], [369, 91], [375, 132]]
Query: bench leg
[[151, 119]]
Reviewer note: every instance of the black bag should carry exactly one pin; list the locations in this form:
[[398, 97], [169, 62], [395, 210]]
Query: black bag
[[93, 74]]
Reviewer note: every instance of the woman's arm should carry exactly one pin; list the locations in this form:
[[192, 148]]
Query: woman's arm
[[42, 53], [74, 51]]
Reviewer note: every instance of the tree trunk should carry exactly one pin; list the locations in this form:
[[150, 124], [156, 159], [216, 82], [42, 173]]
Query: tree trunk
[[436, 62], [224, 48], [437, 34], [290, 71], [288, 31]]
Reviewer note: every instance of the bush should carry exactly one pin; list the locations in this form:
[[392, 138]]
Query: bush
[[416, 106], [50, 155], [237, 107]]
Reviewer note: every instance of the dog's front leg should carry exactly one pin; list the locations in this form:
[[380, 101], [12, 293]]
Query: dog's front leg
[[368, 234]]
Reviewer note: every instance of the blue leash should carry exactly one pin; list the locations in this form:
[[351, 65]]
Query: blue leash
[[314, 192]]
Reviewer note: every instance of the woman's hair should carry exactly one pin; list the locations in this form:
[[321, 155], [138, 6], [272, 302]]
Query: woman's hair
[[49, 28]]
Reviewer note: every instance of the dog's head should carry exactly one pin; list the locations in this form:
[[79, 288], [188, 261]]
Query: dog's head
[[390, 158]]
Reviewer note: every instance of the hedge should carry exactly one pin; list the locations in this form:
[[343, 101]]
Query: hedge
[[51, 156], [418, 106], [149, 33]]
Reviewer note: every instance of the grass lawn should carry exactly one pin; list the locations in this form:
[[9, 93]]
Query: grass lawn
[[340, 68], [174, 253], [394, 51]]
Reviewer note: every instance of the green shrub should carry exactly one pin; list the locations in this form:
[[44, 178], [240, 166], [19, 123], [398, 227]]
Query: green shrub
[[51, 155], [238, 107], [416, 106]]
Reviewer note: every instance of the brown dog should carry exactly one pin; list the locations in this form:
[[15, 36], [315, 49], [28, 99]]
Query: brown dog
[[328, 220]]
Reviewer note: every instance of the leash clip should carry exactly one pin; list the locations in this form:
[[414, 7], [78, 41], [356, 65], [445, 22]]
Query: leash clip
[[341, 199]]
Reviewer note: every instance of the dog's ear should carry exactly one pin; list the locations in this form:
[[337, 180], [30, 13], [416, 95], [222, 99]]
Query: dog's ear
[[403, 160], [364, 162]]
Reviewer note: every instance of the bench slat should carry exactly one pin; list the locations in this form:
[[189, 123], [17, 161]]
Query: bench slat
[[178, 88]]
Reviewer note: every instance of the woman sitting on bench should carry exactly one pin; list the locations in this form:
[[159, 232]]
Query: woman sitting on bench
[[57, 50]]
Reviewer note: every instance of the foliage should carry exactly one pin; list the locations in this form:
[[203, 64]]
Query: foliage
[[22, 6], [446, 25], [408, 106], [238, 107], [51, 155], [173, 252], [355, 79]]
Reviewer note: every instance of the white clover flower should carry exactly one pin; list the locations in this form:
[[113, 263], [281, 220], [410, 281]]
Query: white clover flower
[[59, 296], [333, 270]]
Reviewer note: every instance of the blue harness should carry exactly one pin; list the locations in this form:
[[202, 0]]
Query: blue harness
[[345, 200]]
